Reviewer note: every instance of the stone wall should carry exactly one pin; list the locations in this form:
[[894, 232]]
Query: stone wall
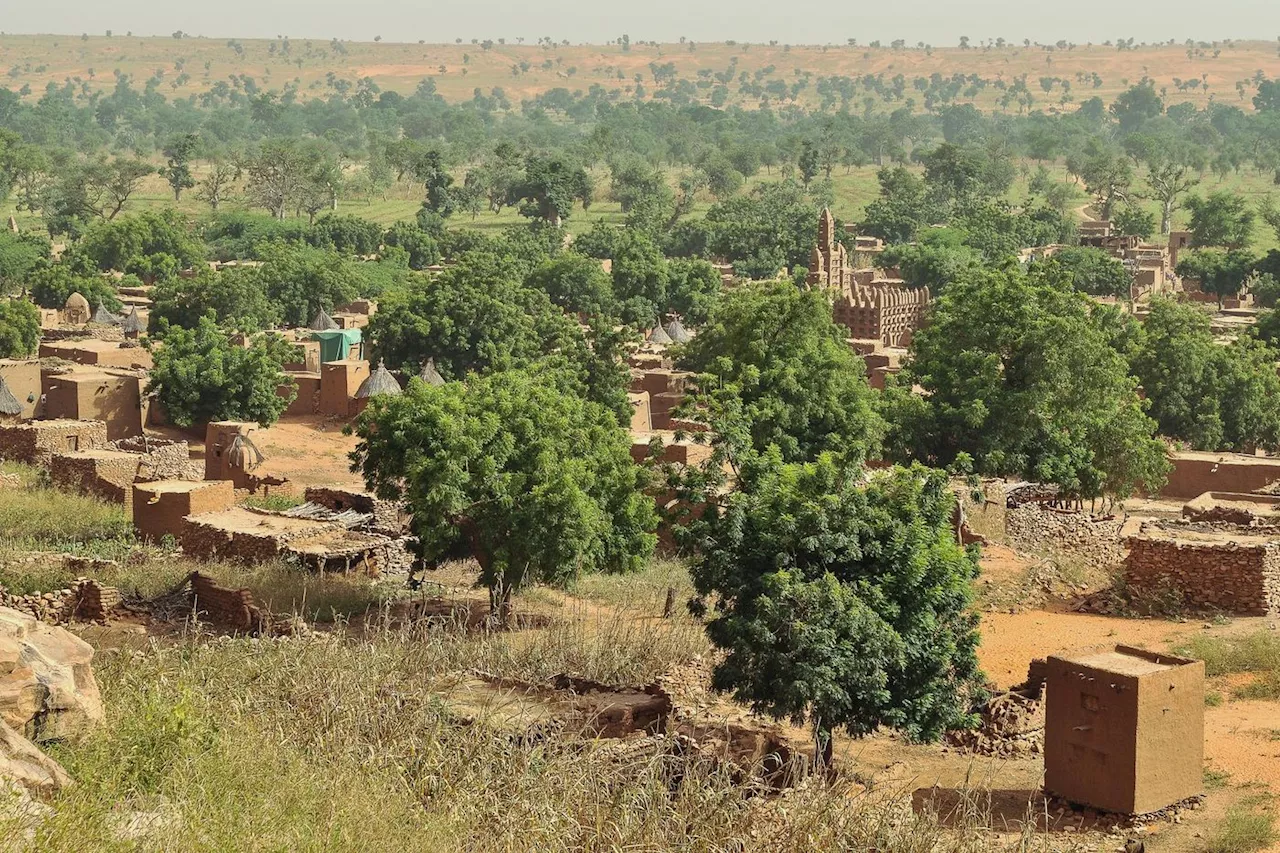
[[388, 516], [35, 442], [105, 475], [1096, 540], [161, 459], [1228, 576]]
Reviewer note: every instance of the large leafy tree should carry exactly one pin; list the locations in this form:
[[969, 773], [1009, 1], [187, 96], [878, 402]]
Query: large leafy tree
[[764, 230], [1020, 376], [236, 296], [576, 283], [201, 376], [841, 602], [19, 328], [537, 482], [1091, 271], [474, 317], [775, 370], [128, 242], [1222, 218], [1214, 397], [300, 280], [550, 186]]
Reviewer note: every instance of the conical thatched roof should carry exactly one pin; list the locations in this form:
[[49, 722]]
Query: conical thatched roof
[[429, 374], [677, 332], [76, 302], [9, 405], [103, 317], [323, 322], [131, 323], [659, 335], [379, 382]]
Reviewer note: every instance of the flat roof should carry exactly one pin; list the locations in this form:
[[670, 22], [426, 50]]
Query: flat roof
[[161, 487], [240, 520], [1123, 660]]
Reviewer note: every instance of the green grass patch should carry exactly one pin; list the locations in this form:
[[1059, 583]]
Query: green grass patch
[[1256, 652], [45, 517], [1245, 829]]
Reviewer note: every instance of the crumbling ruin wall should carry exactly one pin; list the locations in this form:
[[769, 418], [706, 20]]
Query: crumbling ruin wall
[[1225, 576], [230, 608], [1036, 528], [387, 515]]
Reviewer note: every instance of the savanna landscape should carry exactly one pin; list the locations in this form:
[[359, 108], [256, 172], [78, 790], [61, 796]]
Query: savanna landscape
[[511, 444]]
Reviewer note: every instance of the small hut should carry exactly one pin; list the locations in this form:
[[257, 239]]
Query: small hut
[[131, 324], [659, 335], [429, 374], [323, 322], [103, 317], [10, 406], [379, 382], [677, 332], [76, 310]]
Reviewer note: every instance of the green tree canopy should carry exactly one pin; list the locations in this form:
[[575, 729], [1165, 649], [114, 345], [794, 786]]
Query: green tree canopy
[[1090, 270], [536, 481], [121, 244], [1018, 374], [19, 328], [235, 296], [841, 602], [775, 370], [1213, 397], [1222, 218], [201, 376]]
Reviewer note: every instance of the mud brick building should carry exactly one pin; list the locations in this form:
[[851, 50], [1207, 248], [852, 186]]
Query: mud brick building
[[339, 381], [22, 376], [1195, 473], [114, 397], [110, 473], [666, 390], [101, 353], [1124, 729], [1219, 567], [872, 306], [36, 442], [160, 507]]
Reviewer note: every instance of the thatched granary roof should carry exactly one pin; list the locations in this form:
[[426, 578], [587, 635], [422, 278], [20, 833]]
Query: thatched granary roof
[[429, 374], [9, 404], [379, 382], [323, 322], [103, 317], [76, 302], [677, 333], [131, 323], [659, 335]]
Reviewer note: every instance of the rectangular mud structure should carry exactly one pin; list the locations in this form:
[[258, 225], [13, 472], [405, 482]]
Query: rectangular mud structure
[[1124, 729]]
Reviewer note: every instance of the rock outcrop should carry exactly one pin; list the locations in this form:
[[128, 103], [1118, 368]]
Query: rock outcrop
[[47, 689], [23, 763]]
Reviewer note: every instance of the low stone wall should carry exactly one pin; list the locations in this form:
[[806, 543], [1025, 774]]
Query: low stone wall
[[1241, 579], [108, 477], [1035, 528]]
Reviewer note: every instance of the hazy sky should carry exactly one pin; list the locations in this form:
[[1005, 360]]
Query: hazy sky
[[939, 22]]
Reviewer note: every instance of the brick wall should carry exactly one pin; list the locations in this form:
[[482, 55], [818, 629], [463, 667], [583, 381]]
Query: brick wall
[[35, 442]]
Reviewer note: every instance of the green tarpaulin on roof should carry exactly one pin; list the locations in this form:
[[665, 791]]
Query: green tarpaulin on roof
[[335, 345]]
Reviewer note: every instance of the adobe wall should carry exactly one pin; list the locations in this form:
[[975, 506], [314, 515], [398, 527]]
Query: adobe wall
[[1193, 475], [159, 508], [1226, 576], [35, 442], [339, 381], [1035, 528], [23, 379], [230, 608], [114, 399], [307, 400]]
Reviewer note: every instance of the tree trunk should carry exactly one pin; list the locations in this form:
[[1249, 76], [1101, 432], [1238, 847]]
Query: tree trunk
[[1166, 217], [669, 609], [823, 745]]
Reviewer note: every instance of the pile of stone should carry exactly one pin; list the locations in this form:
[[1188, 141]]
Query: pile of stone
[[85, 600], [1011, 723]]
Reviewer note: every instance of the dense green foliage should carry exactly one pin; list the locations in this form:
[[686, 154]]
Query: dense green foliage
[[201, 376], [19, 328], [1021, 378], [841, 602], [537, 482], [775, 370]]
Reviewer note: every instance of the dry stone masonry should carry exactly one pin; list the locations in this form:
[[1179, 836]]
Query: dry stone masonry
[[1216, 567]]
